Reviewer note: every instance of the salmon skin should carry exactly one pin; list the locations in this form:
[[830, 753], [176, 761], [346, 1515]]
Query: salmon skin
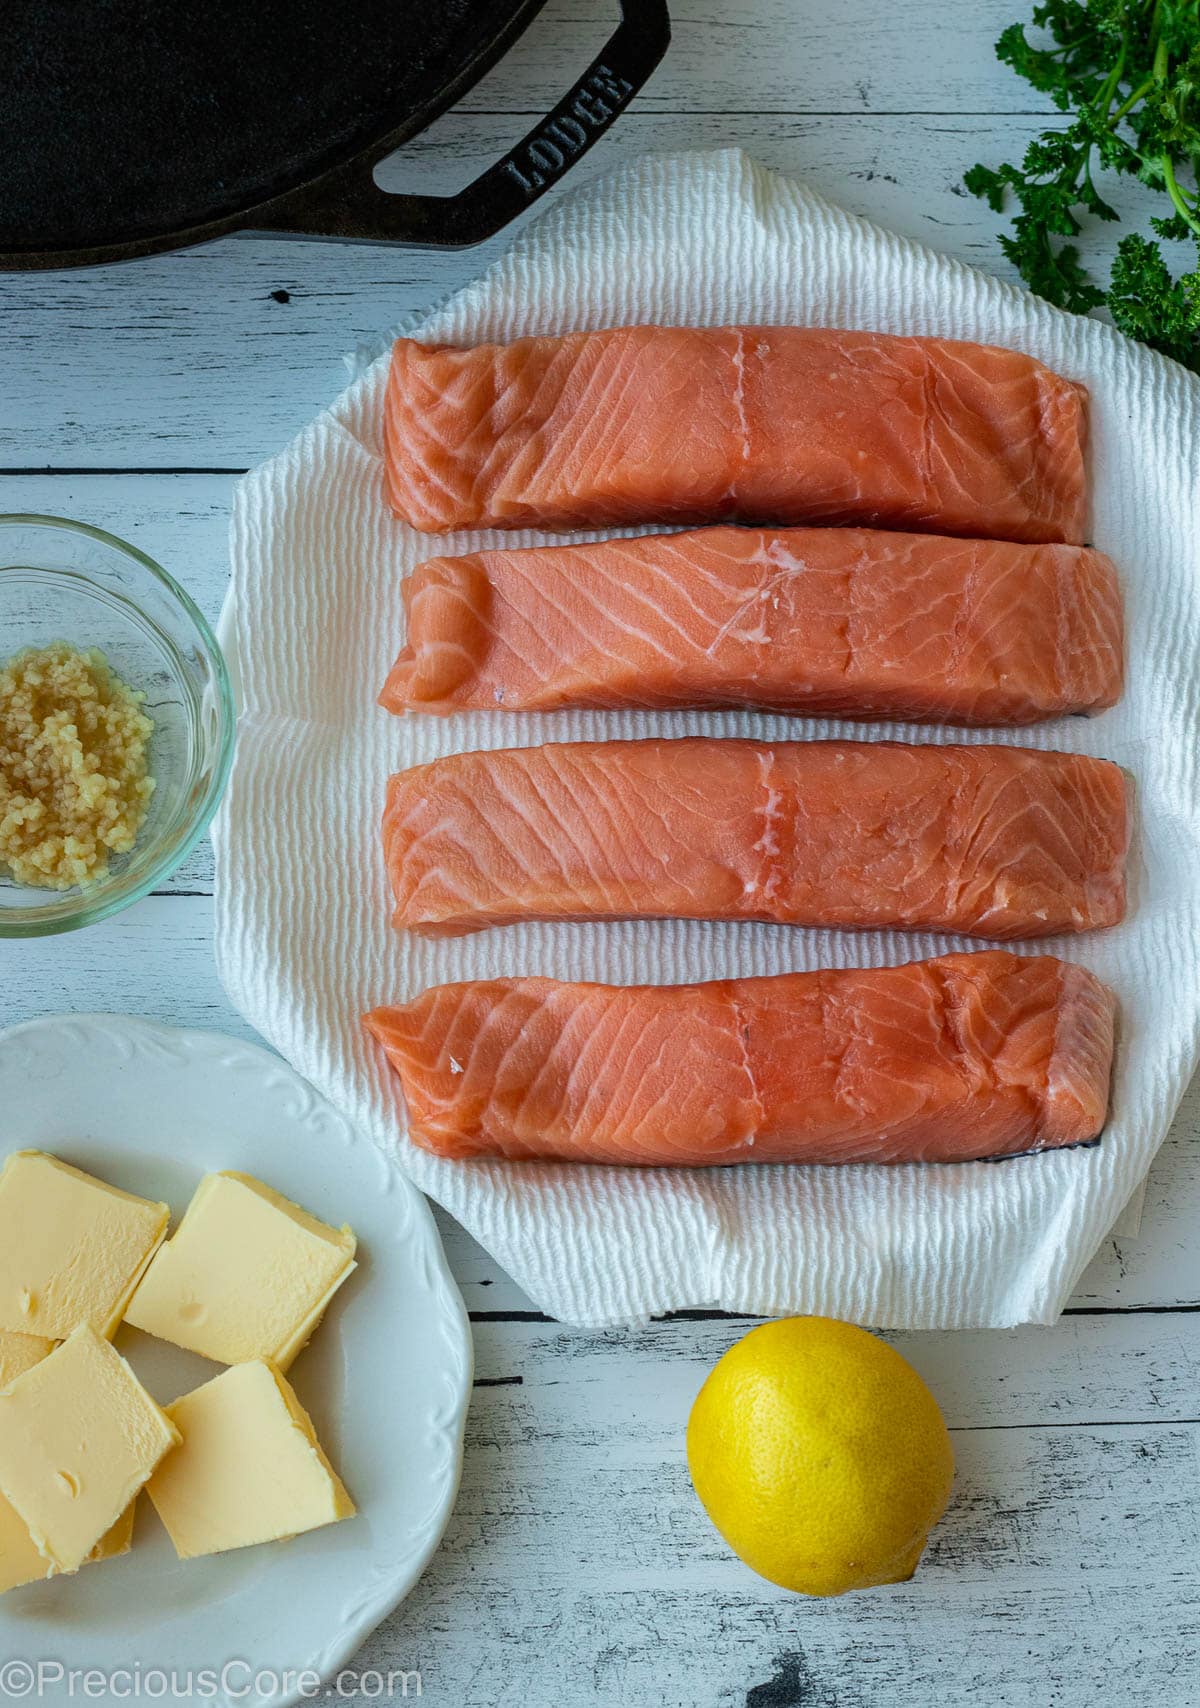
[[828, 622], [754, 423], [994, 842], [948, 1060]]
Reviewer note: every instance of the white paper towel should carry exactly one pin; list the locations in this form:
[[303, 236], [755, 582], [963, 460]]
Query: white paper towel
[[303, 940]]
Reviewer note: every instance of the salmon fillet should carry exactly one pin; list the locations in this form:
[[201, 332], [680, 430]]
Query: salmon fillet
[[759, 423], [828, 622], [994, 842], [948, 1060]]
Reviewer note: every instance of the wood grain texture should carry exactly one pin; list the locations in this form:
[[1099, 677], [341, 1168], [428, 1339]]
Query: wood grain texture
[[578, 1571], [595, 1579], [779, 56]]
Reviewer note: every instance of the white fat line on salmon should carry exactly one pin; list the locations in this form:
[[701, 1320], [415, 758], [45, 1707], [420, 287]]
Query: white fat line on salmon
[[739, 391], [766, 881], [785, 568]]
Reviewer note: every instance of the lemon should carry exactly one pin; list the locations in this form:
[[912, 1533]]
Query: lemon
[[820, 1455]]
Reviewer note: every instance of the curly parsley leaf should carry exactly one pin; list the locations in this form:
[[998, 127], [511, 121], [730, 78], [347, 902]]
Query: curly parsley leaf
[[1127, 72]]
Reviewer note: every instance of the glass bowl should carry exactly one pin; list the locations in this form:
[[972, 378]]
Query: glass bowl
[[66, 581]]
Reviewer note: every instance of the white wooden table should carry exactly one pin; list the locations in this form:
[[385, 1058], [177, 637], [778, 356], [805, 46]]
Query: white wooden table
[[578, 1569]]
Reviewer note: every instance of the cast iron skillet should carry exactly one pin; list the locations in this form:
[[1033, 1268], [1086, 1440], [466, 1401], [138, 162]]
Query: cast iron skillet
[[133, 126]]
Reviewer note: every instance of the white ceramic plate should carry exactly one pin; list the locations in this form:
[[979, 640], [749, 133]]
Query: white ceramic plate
[[386, 1378]]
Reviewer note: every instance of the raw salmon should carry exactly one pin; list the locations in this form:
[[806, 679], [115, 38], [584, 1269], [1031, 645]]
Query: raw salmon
[[992, 841], [759, 423], [946, 1060], [831, 622]]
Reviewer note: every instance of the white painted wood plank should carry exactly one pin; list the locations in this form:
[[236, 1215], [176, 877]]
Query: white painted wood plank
[[1050, 1633], [155, 960], [780, 56], [181, 521], [1063, 1573], [634, 1385], [188, 360], [1046, 1641]]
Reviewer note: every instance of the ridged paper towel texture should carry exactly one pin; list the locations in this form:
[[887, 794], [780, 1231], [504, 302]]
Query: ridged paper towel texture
[[303, 939]]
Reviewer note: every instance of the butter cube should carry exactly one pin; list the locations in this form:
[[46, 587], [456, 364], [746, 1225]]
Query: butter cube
[[118, 1540], [20, 1352], [71, 1248], [79, 1436], [21, 1562], [247, 1274], [250, 1468]]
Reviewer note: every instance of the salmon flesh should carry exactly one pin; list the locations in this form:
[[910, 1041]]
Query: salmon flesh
[[947, 1060], [757, 424], [998, 842], [823, 622]]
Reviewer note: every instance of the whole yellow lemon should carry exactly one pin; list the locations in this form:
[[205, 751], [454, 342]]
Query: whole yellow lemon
[[820, 1455]]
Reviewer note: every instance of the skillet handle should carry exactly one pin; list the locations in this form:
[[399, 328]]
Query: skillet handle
[[347, 202]]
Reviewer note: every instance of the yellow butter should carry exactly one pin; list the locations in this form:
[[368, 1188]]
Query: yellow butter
[[20, 1559], [20, 1352], [21, 1562], [72, 1248], [250, 1468], [79, 1436], [247, 1274], [118, 1540]]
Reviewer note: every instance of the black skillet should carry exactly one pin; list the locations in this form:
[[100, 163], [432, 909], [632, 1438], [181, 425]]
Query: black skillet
[[133, 126]]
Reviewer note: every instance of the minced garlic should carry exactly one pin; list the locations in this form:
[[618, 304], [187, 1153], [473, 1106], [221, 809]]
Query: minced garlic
[[74, 786]]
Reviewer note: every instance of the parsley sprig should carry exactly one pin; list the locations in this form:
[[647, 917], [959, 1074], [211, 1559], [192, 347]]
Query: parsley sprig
[[1129, 73]]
